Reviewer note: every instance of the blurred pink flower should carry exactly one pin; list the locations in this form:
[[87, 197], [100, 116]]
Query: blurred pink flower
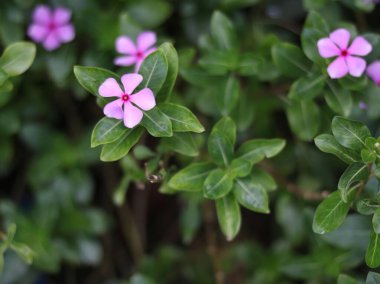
[[373, 72], [51, 27], [128, 105], [134, 53], [337, 45]]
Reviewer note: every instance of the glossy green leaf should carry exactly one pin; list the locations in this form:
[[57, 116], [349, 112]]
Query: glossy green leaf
[[372, 256], [217, 184], [257, 149], [373, 278], [119, 148], [183, 120], [91, 78], [304, 119], [240, 167], [328, 144], [354, 174], [339, 99], [107, 130], [228, 96], [290, 60], [154, 70], [171, 56], [251, 195], [307, 87], [263, 179], [3, 77], [218, 62], [350, 133], [330, 213], [17, 58], [315, 28], [229, 216], [182, 143], [192, 177], [157, 123], [24, 251], [222, 31], [376, 221]]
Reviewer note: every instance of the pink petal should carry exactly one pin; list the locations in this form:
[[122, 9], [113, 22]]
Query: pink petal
[[51, 42], [327, 48], [144, 99], [114, 109], [37, 32], [42, 15], [340, 37], [125, 45], [138, 65], [145, 40], [356, 65], [110, 88], [61, 16], [149, 51], [132, 115], [130, 82], [373, 71], [125, 60], [338, 68], [360, 46], [65, 33]]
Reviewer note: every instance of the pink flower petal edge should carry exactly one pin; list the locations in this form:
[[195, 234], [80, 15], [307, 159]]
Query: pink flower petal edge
[[128, 106], [373, 71]]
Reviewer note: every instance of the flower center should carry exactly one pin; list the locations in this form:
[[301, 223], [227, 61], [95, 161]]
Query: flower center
[[139, 54], [344, 53], [125, 98], [51, 26]]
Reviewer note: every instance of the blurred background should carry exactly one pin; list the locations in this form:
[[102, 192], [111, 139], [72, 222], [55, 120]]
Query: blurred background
[[93, 222]]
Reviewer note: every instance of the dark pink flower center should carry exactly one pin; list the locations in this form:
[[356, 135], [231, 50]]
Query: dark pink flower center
[[52, 26], [344, 53], [125, 98], [139, 54]]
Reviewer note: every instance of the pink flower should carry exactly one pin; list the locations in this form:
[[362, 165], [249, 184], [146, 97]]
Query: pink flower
[[373, 72], [337, 45], [134, 53], [51, 28], [128, 106]]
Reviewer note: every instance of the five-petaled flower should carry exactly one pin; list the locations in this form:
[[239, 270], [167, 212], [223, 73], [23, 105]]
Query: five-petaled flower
[[134, 53], [373, 72], [128, 106], [51, 27], [347, 62]]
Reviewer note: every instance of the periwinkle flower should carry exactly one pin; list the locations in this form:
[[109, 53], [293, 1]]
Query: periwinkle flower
[[134, 54], [347, 61], [373, 71], [51, 27], [127, 106]]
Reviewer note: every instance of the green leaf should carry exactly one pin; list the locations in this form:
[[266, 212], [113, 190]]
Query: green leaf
[[229, 217], [171, 56], [338, 99], [328, 144], [251, 195], [190, 220], [372, 256], [17, 58], [157, 123], [228, 96], [263, 179], [240, 167], [373, 278], [331, 213], [192, 177], [350, 133], [367, 206], [25, 252], [221, 141], [182, 143], [355, 173], [222, 31], [91, 78], [290, 60], [345, 279], [183, 120], [119, 148], [315, 28], [353, 83], [368, 156], [307, 87], [376, 221], [3, 77], [257, 149], [154, 70], [218, 62], [107, 130], [217, 184], [304, 119]]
